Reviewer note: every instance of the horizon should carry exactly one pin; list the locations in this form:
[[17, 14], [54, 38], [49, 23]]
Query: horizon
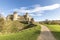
[[40, 10]]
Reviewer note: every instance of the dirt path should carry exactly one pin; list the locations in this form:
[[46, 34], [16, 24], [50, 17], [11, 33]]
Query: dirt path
[[45, 34]]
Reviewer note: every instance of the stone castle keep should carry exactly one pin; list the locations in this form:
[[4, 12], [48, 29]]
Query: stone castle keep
[[24, 18]]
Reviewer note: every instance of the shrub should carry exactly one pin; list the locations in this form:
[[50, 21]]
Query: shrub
[[1, 24]]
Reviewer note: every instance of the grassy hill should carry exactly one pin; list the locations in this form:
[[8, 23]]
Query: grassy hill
[[27, 34], [15, 30]]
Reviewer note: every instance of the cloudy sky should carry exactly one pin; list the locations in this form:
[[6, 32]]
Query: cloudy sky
[[38, 9]]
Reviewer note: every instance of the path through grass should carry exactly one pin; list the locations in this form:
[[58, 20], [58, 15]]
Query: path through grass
[[55, 29]]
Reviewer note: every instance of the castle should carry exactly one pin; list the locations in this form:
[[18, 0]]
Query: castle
[[24, 18]]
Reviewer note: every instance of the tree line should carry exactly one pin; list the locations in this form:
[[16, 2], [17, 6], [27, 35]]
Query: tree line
[[50, 22]]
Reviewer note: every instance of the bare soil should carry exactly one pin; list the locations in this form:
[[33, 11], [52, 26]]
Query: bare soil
[[45, 34]]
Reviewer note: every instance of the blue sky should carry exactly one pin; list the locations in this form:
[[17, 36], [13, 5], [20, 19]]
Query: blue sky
[[38, 9]]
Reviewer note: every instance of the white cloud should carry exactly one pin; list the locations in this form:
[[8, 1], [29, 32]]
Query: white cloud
[[2, 13], [37, 8], [51, 7], [34, 15]]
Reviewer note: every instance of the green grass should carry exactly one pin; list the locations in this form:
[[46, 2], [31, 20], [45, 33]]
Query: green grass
[[55, 29], [27, 34]]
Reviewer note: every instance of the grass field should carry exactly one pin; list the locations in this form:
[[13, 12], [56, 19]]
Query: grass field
[[55, 29], [27, 34]]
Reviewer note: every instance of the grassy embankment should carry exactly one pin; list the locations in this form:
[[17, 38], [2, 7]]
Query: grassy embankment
[[55, 29], [26, 34]]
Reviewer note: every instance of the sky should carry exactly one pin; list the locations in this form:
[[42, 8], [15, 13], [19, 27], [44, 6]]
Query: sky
[[38, 9]]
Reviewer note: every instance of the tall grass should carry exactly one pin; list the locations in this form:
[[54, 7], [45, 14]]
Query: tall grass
[[27, 34]]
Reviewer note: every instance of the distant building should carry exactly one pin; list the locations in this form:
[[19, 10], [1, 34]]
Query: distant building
[[15, 16]]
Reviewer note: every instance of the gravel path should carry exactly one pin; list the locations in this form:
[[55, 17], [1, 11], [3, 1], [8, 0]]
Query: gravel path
[[45, 34]]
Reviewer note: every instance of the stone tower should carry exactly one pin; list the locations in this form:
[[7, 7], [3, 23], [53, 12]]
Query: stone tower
[[15, 16], [27, 16]]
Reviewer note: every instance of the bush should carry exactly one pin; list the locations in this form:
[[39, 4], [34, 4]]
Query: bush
[[1, 24]]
